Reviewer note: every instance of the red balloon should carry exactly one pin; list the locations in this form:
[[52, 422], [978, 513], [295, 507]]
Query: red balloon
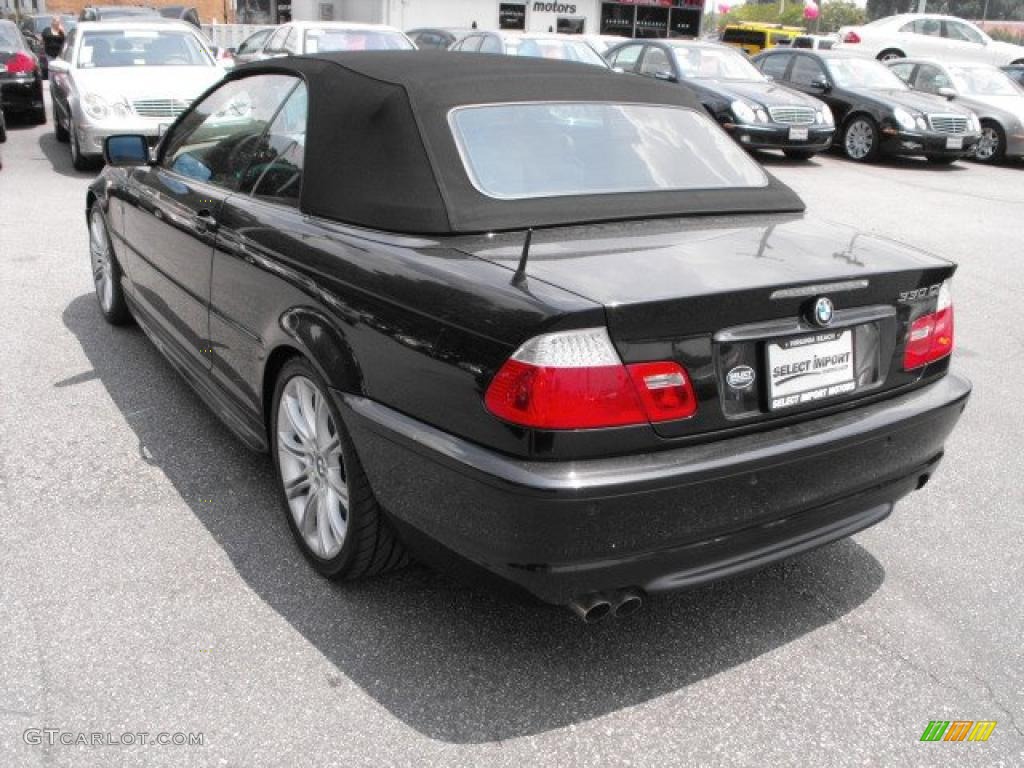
[[723, 9], [811, 12]]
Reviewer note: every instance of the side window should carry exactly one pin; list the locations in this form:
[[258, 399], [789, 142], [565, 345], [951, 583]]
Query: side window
[[930, 79], [806, 71], [250, 44], [775, 66], [654, 62], [472, 43], [625, 58], [903, 71], [956, 30], [276, 170], [490, 44], [929, 27], [220, 137], [276, 42], [69, 45]]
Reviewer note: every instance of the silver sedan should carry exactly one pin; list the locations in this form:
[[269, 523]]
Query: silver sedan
[[126, 77]]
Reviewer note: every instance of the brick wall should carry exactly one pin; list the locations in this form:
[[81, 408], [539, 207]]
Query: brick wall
[[208, 9]]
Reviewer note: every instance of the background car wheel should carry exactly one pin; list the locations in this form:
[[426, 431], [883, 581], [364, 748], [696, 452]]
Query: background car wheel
[[798, 154], [78, 160], [106, 273], [860, 139], [939, 160], [991, 147], [38, 116], [328, 502], [59, 131], [891, 54]]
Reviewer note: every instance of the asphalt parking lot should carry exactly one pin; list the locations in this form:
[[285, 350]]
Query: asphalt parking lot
[[149, 582]]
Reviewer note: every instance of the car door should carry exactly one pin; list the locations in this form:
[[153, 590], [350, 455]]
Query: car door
[[964, 43], [922, 38], [929, 79], [774, 65], [171, 214], [904, 70], [275, 44], [808, 75], [256, 225], [250, 48], [657, 63]]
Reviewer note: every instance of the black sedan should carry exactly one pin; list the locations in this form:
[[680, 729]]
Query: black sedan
[[21, 79], [756, 112], [877, 113], [519, 322]]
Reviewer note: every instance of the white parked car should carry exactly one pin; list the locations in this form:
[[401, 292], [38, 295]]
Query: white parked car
[[917, 35], [117, 77], [299, 37]]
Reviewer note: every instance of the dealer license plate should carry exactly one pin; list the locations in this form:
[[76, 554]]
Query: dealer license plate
[[798, 134], [804, 369], [954, 142]]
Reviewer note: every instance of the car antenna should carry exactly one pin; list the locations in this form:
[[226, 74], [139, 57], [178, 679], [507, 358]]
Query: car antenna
[[520, 275]]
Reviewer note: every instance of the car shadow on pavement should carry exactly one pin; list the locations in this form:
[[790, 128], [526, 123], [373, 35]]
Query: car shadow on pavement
[[60, 157], [458, 665]]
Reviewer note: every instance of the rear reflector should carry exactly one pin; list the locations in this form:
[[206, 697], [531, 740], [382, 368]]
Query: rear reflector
[[575, 380], [20, 63], [851, 37], [931, 336]]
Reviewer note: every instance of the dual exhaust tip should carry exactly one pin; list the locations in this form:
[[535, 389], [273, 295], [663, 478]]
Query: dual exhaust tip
[[598, 606]]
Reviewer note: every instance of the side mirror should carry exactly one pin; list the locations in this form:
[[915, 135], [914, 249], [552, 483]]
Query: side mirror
[[126, 151], [618, 70], [59, 65], [821, 84], [949, 93], [668, 77]]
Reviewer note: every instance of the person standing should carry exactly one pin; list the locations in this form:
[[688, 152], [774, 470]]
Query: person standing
[[53, 38]]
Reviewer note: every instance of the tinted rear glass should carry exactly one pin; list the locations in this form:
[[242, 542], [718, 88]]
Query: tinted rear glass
[[529, 150]]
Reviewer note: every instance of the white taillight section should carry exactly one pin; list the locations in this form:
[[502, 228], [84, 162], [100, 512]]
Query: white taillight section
[[930, 337], [576, 380], [570, 349]]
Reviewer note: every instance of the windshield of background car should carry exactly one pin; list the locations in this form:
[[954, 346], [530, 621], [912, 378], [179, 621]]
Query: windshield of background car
[[983, 81], [326, 39], [141, 48], [864, 73], [562, 50], [530, 150], [715, 64]]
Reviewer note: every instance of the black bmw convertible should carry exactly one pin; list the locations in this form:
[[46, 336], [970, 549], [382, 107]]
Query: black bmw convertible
[[531, 319]]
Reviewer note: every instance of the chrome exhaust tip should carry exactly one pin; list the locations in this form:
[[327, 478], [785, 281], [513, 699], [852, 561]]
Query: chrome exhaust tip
[[630, 601], [591, 608]]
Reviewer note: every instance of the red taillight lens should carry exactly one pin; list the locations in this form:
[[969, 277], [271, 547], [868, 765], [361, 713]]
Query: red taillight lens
[[575, 380], [931, 336], [20, 62], [851, 37]]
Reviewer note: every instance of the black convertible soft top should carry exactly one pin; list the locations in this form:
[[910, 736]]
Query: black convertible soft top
[[380, 152]]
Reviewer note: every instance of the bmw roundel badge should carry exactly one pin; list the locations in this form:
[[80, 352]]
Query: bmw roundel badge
[[823, 311]]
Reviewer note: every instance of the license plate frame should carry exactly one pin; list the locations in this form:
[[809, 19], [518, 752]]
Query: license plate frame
[[799, 133], [954, 142], [810, 368]]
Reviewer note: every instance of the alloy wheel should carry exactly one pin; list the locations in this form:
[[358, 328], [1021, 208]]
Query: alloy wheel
[[859, 140], [312, 467], [102, 269], [988, 144]]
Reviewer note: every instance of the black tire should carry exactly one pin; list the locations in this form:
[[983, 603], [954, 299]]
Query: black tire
[[891, 54], [942, 160], [370, 546], [115, 310], [78, 160], [858, 125], [59, 131], [799, 154], [994, 131]]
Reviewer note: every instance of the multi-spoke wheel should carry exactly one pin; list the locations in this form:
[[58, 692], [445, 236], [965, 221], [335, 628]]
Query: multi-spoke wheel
[[106, 274], [331, 508], [991, 147], [860, 140]]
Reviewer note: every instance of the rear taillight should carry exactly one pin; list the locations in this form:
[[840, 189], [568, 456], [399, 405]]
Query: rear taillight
[[851, 37], [20, 62], [931, 336], [575, 380]]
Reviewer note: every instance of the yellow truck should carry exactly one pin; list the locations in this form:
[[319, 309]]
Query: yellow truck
[[753, 37]]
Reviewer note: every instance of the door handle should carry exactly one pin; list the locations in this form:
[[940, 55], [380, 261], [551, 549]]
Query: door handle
[[205, 221]]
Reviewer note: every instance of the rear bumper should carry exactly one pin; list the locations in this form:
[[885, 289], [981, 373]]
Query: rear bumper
[[658, 521], [21, 94]]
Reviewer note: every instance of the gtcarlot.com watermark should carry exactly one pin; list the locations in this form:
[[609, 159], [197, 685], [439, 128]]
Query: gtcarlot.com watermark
[[52, 737]]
